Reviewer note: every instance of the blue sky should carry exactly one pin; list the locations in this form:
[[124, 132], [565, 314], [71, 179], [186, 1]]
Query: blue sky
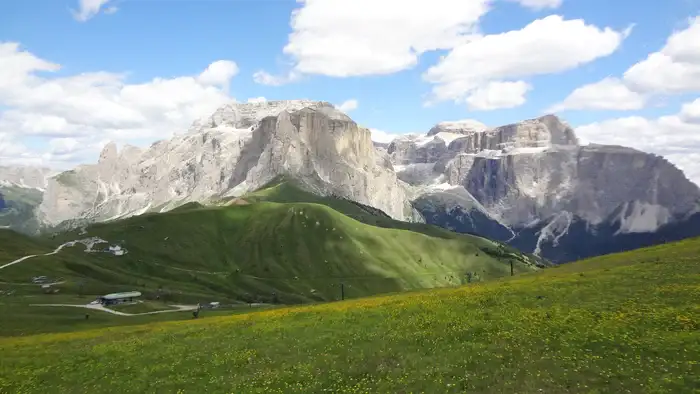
[[134, 42]]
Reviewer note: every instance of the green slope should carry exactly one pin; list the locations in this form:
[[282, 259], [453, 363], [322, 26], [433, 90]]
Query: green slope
[[264, 251], [14, 245], [286, 190], [625, 323]]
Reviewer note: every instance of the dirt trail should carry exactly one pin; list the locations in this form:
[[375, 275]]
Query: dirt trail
[[58, 249], [99, 307]]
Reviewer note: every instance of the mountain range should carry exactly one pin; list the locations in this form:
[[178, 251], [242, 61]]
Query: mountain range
[[529, 184]]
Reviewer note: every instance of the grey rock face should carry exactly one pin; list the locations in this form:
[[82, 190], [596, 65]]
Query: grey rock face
[[528, 183], [536, 171], [237, 149]]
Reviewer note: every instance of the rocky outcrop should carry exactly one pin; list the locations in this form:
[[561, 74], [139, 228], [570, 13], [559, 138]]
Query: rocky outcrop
[[237, 149], [534, 174]]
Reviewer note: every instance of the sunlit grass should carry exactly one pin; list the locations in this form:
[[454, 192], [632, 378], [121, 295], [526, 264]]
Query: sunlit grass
[[628, 323]]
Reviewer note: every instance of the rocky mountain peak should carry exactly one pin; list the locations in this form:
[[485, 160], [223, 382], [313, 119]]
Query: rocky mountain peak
[[237, 149], [246, 115], [543, 132], [532, 174], [109, 152], [466, 127]]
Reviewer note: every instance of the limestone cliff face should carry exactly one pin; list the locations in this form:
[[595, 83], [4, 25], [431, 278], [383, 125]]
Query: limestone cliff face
[[237, 149], [535, 169], [534, 174]]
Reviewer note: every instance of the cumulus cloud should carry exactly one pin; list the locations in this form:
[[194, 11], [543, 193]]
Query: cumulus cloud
[[89, 8], [674, 69], [538, 4], [498, 95], [476, 63], [609, 93], [346, 38], [218, 73], [348, 105], [690, 112], [10, 148], [382, 137], [93, 106], [676, 137]]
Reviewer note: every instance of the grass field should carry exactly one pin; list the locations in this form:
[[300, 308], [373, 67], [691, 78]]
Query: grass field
[[625, 323], [21, 319]]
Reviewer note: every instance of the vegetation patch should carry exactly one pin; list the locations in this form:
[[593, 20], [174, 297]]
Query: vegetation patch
[[286, 246]]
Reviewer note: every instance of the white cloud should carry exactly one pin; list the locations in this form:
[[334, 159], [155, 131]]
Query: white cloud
[[89, 8], [690, 112], [17, 67], [675, 69], [545, 46], [257, 100], [498, 95], [382, 136], [538, 4], [10, 147], [218, 73], [672, 70], [345, 38], [265, 78], [94, 106], [348, 105], [609, 93], [676, 137]]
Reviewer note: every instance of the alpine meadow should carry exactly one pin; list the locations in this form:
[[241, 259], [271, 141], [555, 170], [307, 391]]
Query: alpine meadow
[[350, 196]]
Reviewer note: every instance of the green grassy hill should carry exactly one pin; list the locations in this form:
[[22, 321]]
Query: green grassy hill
[[624, 323], [277, 245], [14, 245]]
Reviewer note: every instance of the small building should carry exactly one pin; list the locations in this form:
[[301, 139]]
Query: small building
[[119, 298]]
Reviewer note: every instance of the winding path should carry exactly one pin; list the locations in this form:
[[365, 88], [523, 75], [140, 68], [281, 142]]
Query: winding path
[[99, 307], [58, 249]]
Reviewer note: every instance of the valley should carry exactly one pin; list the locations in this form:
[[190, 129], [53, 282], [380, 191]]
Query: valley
[[282, 246]]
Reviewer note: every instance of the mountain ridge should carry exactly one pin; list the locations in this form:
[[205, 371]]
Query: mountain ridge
[[507, 179]]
